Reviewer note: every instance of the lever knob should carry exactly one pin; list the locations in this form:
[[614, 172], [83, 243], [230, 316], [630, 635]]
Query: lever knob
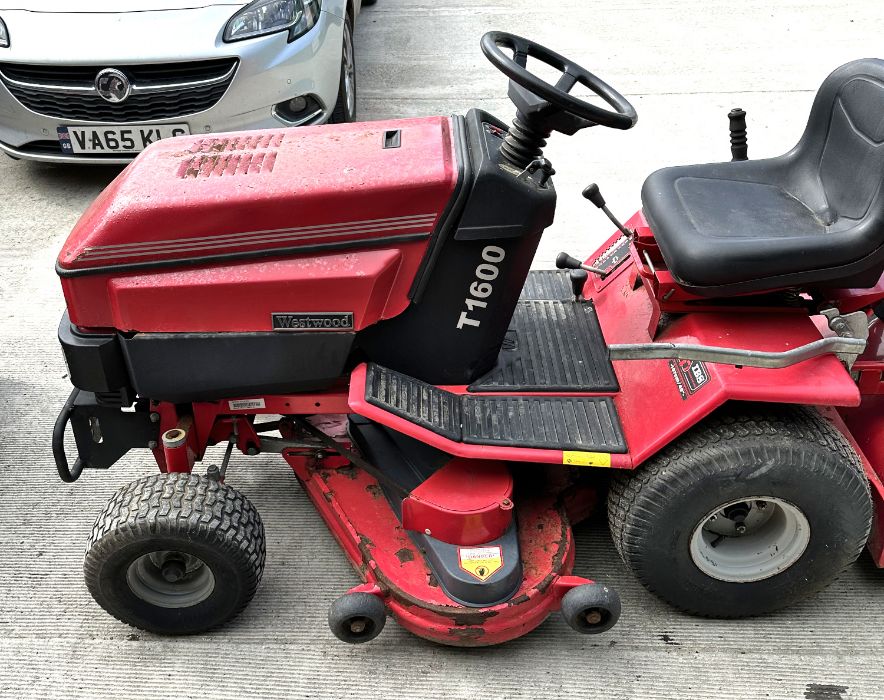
[[578, 279], [567, 262], [594, 195]]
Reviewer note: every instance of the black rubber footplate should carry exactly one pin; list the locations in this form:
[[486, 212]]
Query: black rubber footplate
[[586, 423], [421, 403], [552, 285], [552, 346]]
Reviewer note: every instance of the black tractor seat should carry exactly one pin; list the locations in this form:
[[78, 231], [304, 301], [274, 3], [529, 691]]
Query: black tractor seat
[[812, 218]]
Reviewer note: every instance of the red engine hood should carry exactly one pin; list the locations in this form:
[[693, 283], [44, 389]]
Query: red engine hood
[[198, 199]]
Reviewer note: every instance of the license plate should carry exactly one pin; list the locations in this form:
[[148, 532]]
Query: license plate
[[115, 139]]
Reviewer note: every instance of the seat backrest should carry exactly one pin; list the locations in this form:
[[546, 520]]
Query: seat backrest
[[843, 146]]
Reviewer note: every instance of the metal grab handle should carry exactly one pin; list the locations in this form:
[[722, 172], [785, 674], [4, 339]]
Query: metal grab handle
[[61, 460], [736, 356]]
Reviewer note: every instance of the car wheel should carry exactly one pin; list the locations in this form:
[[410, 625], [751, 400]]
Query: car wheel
[[175, 554], [345, 108], [749, 512]]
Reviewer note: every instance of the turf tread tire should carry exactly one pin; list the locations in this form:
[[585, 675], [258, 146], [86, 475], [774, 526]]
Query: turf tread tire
[[178, 506], [796, 436]]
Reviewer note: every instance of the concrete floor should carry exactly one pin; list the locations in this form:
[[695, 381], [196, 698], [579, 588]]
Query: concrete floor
[[684, 64]]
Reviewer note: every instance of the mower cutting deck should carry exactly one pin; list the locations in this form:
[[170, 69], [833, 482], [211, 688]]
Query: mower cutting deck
[[357, 298]]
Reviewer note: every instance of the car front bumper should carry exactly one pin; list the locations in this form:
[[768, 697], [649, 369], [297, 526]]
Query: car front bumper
[[270, 71]]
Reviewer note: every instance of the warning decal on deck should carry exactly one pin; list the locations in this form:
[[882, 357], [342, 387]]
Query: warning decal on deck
[[480, 562], [586, 459]]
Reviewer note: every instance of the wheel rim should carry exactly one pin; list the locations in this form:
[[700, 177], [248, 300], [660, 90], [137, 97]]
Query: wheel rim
[[750, 539], [170, 579], [349, 72]]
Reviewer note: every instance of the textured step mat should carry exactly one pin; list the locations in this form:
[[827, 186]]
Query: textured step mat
[[552, 346], [421, 403], [556, 422], [553, 285]]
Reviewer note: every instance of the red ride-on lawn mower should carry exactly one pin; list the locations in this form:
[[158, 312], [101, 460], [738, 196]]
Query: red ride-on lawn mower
[[357, 298]]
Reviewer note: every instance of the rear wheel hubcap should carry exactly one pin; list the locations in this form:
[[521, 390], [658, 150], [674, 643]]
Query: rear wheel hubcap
[[750, 539]]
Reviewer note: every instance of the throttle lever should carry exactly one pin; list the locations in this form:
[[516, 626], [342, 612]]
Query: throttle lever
[[594, 195], [569, 262]]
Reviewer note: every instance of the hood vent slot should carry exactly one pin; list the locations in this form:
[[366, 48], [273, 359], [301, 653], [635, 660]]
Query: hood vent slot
[[243, 155]]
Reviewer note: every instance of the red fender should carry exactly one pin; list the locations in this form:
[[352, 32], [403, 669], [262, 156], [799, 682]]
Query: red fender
[[661, 399]]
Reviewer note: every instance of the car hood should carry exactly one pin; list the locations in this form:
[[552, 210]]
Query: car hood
[[88, 38], [116, 6]]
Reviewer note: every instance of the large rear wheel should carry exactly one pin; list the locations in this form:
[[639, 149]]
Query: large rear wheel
[[175, 554], [753, 510]]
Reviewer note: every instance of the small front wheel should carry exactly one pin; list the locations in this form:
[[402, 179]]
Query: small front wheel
[[591, 608], [357, 617], [175, 554]]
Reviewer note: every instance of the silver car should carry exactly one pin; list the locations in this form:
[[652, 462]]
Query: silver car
[[84, 81]]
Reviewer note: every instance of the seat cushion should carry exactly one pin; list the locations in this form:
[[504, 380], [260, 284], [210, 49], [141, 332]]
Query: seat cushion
[[736, 225]]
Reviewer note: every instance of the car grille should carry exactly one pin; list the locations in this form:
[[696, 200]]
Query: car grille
[[159, 91]]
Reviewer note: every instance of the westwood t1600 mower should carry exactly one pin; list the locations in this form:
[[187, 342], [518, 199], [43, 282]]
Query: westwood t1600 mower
[[357, 298]]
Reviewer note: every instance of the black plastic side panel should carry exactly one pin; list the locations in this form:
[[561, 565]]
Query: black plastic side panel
[[505, 211], [182, 367], [104, 434], [504, 202], [95, 362], [406, 461]]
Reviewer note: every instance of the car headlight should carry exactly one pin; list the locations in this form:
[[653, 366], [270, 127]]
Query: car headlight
[[269, 16], [4, 34]]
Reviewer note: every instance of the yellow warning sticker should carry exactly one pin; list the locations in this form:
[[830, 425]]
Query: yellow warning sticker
[[586, 459], [480, 562]]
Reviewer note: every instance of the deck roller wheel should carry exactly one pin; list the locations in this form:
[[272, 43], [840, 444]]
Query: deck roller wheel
[[357, 617], [591, 608]]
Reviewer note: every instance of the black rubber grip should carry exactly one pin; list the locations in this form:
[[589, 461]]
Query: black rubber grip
[[567, 262], [578, 280], [594, 195]]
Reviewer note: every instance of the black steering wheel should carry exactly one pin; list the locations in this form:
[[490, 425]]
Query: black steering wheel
[[623, 115]]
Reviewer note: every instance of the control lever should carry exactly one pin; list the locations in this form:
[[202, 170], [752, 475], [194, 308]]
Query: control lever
[[569, 262], [544, 166], [578, 279], [594, 195]]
